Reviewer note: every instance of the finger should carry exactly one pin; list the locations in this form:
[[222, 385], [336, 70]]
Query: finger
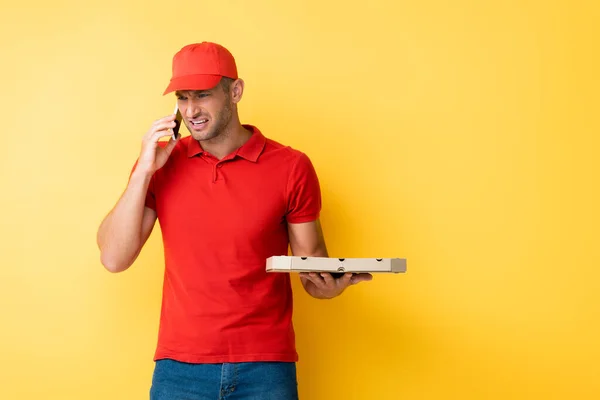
[[363, 277], [305, 276], [317, 280], [169, 121], [164, 126], [170, 117], [311, 281], [329, 280], [165, 130], [345, 280], [160, 130]]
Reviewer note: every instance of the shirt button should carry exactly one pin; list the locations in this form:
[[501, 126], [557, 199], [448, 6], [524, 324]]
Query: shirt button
[[219, 166]]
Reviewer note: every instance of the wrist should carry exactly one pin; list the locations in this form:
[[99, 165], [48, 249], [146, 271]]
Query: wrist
[[141, 174]]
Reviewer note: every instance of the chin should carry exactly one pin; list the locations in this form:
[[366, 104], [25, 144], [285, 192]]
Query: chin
[[202, 136]]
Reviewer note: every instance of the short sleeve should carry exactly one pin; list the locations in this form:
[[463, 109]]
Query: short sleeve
[[303, 192], [150, 201]]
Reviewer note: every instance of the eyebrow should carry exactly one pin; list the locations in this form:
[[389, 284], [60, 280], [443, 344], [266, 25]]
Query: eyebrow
[[196, 92]]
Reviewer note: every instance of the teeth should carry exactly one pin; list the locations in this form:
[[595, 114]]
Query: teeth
[[199, 122]]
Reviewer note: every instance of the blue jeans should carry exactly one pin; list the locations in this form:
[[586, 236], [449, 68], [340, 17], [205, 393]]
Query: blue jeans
[[174, 380]]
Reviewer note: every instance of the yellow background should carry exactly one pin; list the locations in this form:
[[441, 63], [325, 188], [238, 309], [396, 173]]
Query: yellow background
[[461, 135]]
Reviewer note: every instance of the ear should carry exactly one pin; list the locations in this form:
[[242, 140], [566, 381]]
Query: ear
[[237, 90]]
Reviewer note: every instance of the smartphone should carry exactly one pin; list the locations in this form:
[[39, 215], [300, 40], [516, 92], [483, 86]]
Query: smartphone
[[178, 119]]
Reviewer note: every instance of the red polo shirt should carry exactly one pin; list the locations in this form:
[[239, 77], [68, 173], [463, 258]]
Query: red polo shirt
[[220, 221]]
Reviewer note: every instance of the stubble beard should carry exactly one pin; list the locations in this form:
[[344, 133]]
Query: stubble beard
[[219, 125]]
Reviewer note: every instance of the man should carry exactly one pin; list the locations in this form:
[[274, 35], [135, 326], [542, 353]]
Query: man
[[227, 198]]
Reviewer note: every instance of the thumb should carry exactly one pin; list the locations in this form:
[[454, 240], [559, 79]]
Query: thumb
[[361, 278], [171, 145]]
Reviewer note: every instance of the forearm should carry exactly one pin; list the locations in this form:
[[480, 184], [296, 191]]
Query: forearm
[[120, 233], [318, 249]]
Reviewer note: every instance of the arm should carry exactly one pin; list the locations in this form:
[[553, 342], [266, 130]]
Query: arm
[[125, 230], [307, 240], [305, 232]]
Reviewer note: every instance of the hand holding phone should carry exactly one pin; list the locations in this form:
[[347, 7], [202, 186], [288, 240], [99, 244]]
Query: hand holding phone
[[154, 154]]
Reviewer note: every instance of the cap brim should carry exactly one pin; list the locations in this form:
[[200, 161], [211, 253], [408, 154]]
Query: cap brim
[[193, 82]]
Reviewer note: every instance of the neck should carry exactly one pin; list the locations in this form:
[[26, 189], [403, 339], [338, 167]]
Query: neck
[[230, 139]]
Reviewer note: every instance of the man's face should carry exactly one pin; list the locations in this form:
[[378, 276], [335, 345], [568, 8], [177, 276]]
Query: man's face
[[206, 113]]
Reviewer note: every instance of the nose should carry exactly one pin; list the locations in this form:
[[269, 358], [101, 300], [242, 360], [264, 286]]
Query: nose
[[191, 109]]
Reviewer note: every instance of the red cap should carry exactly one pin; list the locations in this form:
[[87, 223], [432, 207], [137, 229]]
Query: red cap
[[200, 66]]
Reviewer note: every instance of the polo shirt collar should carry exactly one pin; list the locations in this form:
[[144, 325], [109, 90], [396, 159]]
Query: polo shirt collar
[[250, 150], [254, 146]]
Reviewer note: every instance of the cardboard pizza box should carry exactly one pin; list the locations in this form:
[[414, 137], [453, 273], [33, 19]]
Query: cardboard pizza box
[[335, 265]]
